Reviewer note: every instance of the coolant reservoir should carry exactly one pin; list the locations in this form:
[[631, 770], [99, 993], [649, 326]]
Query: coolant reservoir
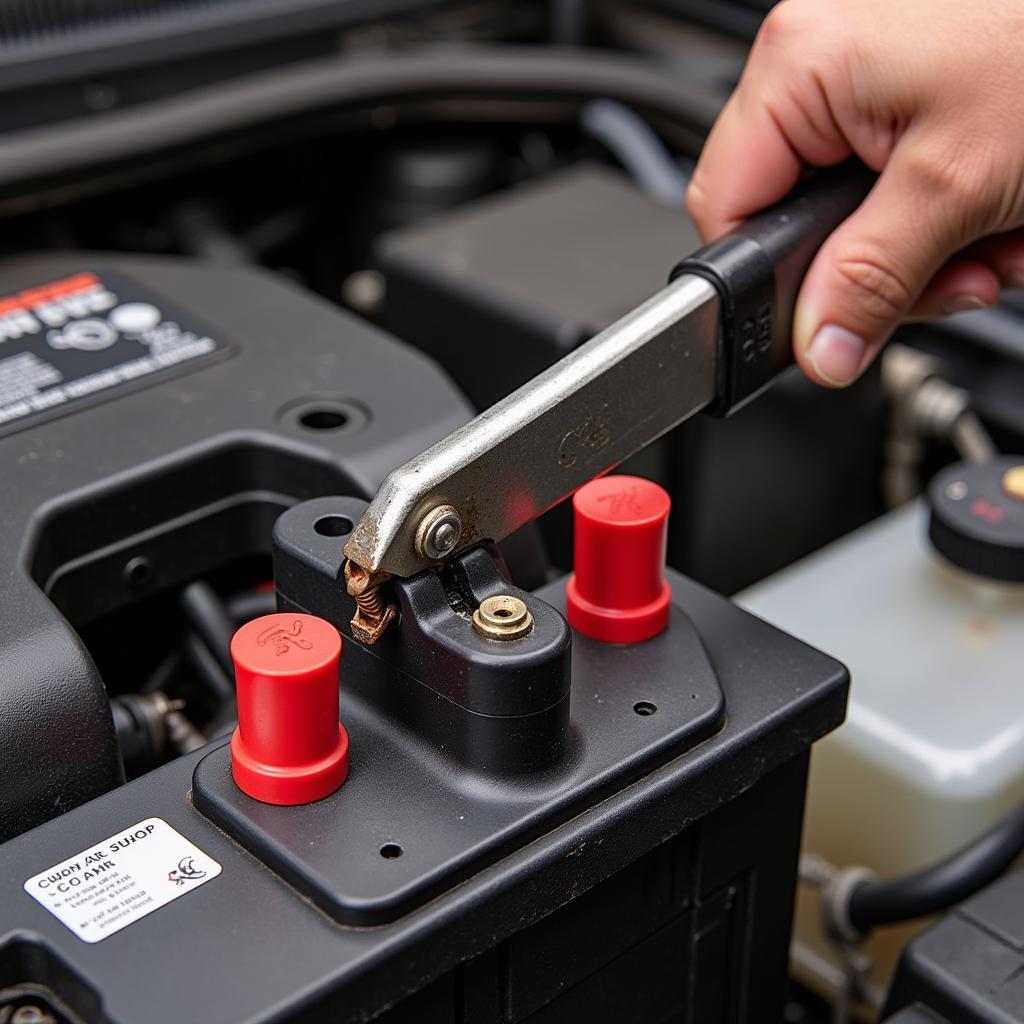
[[932, 751]]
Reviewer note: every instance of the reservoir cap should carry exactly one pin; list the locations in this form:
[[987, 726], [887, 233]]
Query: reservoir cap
[[977, 517]]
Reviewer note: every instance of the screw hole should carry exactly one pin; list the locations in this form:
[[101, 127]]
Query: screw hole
[[333, 526], [645, 707], [138, 572], [389, 851], [324, 419], [502, 613]]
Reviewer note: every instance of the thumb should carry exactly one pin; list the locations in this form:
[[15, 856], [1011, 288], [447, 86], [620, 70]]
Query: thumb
[[870, 273]]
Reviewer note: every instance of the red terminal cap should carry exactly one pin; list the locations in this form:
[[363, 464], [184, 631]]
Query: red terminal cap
[[289, 747], [618, 592]]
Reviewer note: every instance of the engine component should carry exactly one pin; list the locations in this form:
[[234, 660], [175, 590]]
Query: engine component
[[144, 734], [157, 420], [977, 518], [448, 284], [654, 837], [543, 793], [66, 60], [935, 651], [492, 707], [567, 797], [872, 902], [967, 968], [924, 407]]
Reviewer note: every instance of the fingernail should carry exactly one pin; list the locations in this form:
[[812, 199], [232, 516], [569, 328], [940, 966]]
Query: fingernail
[[836, 354], [963, 304]]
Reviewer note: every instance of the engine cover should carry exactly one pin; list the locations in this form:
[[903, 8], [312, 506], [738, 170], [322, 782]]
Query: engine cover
[[156, 416]]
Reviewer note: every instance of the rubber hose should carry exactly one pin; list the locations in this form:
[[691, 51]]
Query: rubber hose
[[941, 885], [638, 149], [37, 159], [207, 615]]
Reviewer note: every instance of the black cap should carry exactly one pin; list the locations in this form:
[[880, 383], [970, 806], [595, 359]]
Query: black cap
[[977, 517]]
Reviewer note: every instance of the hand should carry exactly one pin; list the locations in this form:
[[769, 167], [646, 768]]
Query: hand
[[928, 92]]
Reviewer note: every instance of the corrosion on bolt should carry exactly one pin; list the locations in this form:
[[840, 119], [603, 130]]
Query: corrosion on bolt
[[503, 617], [373, 612]]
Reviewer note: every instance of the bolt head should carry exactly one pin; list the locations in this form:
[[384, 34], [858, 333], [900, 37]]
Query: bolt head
[[439, 533], [444, 537]]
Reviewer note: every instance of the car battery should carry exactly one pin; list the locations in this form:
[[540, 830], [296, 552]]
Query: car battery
[[574, 824]]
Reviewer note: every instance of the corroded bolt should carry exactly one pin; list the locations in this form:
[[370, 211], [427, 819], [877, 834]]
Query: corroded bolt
[[373, 613], [502, 617]]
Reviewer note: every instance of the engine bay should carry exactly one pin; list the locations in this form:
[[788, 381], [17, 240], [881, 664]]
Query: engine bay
[[256, 257]]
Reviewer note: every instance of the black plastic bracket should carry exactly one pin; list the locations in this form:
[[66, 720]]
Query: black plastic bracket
[[460, 752], [493, 707]]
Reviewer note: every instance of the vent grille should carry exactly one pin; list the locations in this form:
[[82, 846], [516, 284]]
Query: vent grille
[[33, 21]]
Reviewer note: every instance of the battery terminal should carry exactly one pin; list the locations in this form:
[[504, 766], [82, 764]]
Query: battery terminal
[[503, 617]]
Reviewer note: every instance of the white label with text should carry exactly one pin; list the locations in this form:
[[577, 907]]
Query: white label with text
[[115, 882]]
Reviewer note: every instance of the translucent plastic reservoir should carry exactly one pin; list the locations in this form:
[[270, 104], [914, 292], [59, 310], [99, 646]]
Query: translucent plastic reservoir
[[933, 747]]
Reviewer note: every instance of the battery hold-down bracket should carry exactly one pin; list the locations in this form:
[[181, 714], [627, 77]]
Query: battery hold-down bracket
[[463, 748]]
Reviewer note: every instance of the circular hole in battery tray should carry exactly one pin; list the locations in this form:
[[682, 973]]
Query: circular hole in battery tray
[[645, 707], [323, 413], [333, 526], [324, 419], [389, 851], [138, 572]]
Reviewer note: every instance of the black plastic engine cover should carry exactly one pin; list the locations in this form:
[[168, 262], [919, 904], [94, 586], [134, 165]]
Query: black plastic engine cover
[[139, 450], [969, 966]]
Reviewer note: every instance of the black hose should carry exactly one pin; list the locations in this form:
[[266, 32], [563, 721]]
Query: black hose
[[211, 674], [638, 149], [207, 615], [570, 22], [38, 159], [251, 604], [160, 678], [941, 885], [199, 229]]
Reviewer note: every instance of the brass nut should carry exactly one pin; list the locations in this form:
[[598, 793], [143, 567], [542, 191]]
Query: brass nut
[[503, 617]]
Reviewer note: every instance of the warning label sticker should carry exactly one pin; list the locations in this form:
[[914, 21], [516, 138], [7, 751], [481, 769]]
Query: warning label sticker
[[68, 341], [108, 886]]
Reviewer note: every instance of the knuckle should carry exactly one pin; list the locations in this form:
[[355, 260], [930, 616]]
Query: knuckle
[[697, 198], [880, 293], [961, 197], [949, 175], [952, 176], [787, 24]]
